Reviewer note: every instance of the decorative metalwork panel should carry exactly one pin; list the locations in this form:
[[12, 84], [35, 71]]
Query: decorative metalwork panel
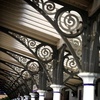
[[17, 75], [26, 75], [33, 66], [20, 81], [76, 43], [41, 52], [19, 70], [28, 63], [45, 53], [49, 68], [29, 83], [35, 88], [36, 77], [68, 21], [69, 63], [16, 68], [19, 58], [32, 44]]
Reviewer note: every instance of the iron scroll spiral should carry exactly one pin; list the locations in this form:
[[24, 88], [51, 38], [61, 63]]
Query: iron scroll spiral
[[69, 22], [49, 7], [33, 66], [44, 53], [69, 62]]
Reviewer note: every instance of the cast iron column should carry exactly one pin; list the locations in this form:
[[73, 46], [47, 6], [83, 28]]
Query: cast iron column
[[26, 97], [57, 91], [88, 85], [42, 85], [58, 86], [21, 97], [32, 96]]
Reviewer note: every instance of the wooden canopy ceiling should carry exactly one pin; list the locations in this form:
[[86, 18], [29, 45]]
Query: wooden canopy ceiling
[[88, 5]]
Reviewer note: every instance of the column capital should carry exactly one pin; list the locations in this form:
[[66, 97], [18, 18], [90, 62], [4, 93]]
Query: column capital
[[88, 84], [26, 97], [41, 92], [32, 95], [88, 74], [22, 98], [88, 78], [18, 98], [57, 88]]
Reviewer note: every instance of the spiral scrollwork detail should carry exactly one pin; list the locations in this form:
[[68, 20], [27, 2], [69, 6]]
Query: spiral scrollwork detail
[[44, 53], [23, 39], [49, 7], [77, 46], [19, 70], [26, 75], [33, 66], [70, 63], [32, 44], [23, 60], [70, 23]]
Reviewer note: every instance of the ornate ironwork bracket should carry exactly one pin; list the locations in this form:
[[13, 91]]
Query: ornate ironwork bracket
[[9, 79], [68, 21], [30, 68], [43, 52], [19, 77]]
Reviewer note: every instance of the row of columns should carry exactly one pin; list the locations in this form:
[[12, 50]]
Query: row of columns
[[56, 93], [89, 80]]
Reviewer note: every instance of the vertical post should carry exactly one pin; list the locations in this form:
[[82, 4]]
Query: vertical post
[[41, 94], [26, 97], [88, 85], [60, 65], [32, 96], [42, 85], [57, 91], [18, 98], [22, 98], [98, 91]]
